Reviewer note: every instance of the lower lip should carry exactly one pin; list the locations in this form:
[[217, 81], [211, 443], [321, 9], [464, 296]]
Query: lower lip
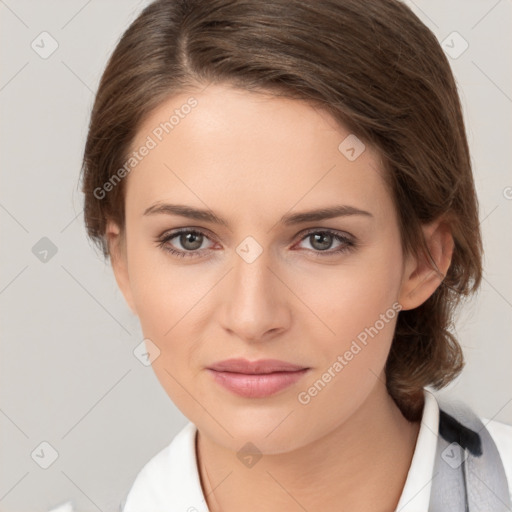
[[257, 385]]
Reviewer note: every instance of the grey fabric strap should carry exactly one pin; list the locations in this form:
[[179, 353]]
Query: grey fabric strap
[[468, 472]]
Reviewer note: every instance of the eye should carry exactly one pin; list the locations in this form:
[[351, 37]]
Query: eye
[[321, 241], [190, 240]]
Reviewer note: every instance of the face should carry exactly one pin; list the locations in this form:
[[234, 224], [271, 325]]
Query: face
[[319, 292]]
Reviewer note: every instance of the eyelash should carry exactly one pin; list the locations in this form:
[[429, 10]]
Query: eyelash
[[162, 242]]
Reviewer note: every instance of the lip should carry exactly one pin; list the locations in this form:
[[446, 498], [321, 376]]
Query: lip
[[256, 379], [254, 367]]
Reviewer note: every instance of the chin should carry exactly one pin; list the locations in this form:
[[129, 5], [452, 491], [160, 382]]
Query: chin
[[264, 429]]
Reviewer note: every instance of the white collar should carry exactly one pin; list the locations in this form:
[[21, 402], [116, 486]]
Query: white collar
[[416, 492], [170, 480]]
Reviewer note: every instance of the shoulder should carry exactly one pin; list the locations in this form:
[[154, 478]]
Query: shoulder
[[486, 446], [168, 481], [458, 415], [501, 434], [157, 483]]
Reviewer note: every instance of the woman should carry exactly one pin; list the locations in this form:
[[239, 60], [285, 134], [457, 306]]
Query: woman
[[285, 192]]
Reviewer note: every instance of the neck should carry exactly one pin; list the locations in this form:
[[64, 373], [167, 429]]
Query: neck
[[361, 463]]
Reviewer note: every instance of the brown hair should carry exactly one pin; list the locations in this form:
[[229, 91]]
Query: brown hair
[[375, 67]]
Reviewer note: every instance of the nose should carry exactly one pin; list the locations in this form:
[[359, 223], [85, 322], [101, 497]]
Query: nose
[[256, 304]]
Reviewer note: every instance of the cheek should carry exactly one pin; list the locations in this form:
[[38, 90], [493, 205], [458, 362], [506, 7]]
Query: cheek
[[172, 303], [163, 291], [354, 296], [361, 323], [358, 308], [168, 302], [161, 295]]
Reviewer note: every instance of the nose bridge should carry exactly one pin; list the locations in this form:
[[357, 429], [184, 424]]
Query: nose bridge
[[254, 304], [252, 277]]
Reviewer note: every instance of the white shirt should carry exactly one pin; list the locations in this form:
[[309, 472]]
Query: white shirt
[[170, 480]]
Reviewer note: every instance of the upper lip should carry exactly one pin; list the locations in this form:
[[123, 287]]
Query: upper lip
[[254, 367]]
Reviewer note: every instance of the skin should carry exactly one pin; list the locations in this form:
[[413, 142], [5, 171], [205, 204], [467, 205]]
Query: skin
[[252, 158]]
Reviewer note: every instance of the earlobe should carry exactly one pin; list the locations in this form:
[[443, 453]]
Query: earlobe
[[421, 276], [118, 259]]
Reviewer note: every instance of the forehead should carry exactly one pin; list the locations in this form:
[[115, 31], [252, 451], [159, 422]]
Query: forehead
[[250, 151]]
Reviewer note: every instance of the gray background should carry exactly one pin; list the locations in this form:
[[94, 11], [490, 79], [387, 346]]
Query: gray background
[[68, 373]]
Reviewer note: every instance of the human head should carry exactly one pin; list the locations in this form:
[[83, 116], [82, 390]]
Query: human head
[[376, 70]]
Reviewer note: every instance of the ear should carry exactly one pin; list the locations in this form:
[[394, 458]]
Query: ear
[[420, 278], [118, 258]]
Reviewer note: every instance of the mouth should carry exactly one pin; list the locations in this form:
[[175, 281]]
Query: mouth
[[256, 379]]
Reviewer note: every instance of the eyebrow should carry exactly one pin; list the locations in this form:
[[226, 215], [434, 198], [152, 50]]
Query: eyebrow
[[287, 219]]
